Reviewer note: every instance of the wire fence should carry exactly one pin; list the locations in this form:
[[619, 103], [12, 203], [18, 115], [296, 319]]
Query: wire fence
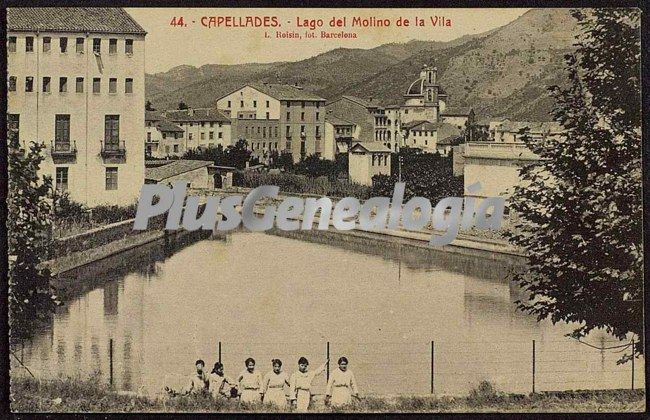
[[384, 368]]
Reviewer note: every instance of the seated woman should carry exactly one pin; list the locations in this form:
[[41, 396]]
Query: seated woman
[[220, 384]]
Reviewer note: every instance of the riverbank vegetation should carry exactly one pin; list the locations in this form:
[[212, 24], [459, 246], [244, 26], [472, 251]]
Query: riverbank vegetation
[[70, 395], [71, 218]]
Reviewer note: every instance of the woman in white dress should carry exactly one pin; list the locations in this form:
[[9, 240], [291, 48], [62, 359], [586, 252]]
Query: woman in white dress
[[342, 385], [250, 384], [300, 382], [274, 386], [220, 384]]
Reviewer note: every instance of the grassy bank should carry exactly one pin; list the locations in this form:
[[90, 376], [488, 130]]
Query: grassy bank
[[29, 395]]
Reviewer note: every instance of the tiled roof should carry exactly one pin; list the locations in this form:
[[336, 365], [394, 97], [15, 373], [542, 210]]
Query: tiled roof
[[337, 121], [420, 124], [370, 146], [176, 167], [152, 116], [457, 111], [284, 92], [168, 127], [113, 20], [368, 103], [449, 134], [533, 127], [197, 115]]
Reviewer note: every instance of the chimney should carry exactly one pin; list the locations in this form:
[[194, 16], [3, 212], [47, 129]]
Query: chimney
[[190, 111]]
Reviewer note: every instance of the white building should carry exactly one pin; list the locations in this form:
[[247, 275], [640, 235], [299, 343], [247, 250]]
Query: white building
[[277, 117], [76, 83], [367, 159], [202, 127], [163, 138]]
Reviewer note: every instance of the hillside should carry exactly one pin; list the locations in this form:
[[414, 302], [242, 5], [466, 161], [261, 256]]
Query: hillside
[[504, 72]]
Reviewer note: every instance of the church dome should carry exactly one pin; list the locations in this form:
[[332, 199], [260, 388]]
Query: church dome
[[415, 88]]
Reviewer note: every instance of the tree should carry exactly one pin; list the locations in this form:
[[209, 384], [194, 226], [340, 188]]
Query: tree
[[29, 203], [149, 106], [425, 175], [580, 209], [236, 155], [182, 105]]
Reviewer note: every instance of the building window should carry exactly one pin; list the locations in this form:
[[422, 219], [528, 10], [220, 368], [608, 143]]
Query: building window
[[220, 135], [112, 85], [128, 46], [62, 179], [302, 116], [80, 85], [288, 116], [97, 45], [275, 130], [202, 136], [302, 104], [47, 44], [288, 131], [176, 148], [29, 44], [61, 130], [112, 46], [164, 135], [190, 136], [228, 104], [63, 84], [211, 124], [268, 104], [264, 132], [302, 130], [317, 116], [254, 104], [96, 85], [29, 84], [46, 84], [11, 47], [111, 179], [80, 45], [317, 131], [241, 104], [317, 105], [149, 136], [63, 44], [128, 85], [211, 135], [112, 129], [13, 124], [268, 115], [12, 84]]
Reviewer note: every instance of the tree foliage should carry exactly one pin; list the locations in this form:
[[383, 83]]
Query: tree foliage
[[425, 175], [29, 203], [313, 166], [580, 209]]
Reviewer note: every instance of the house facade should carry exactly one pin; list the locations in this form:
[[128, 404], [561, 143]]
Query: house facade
[[367, 159], [296, 115], [76, 84]]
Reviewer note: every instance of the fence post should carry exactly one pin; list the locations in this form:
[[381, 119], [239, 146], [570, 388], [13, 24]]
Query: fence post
[[632, 364], [219, 351], [110, 361], [328, 363], [432, 368], [533, 366]]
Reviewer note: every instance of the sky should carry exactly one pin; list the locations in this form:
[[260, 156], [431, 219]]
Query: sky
[[168, 46]]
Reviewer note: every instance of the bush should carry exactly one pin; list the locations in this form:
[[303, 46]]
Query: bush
[[485, 393], [303, 184]]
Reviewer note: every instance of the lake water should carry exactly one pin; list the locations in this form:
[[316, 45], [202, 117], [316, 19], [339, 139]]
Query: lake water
[[265, 296]]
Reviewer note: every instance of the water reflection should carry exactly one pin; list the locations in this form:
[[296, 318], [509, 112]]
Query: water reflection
[[268, 296]]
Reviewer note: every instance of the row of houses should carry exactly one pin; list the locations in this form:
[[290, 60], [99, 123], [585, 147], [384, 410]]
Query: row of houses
[[86, 103]]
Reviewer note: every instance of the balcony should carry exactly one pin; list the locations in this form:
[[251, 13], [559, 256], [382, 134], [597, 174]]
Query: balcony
[[63, 149], [113, 149]]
